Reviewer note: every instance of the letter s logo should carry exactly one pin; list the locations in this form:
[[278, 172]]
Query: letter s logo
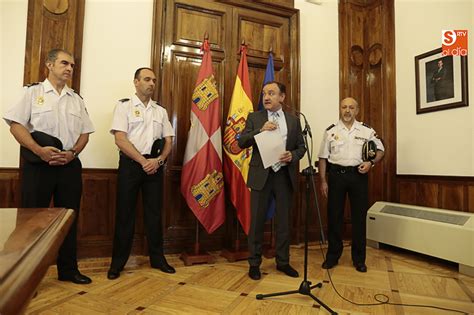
[[448, 37]]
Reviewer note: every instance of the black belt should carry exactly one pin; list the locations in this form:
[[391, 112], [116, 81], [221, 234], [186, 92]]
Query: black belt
[[146, 156], [334, 168]]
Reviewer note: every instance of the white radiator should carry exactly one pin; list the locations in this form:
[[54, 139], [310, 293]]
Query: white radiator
[[440, 233]]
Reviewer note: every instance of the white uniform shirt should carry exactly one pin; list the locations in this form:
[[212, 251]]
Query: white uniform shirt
[[343, 146], [143, 124], [42, 109]]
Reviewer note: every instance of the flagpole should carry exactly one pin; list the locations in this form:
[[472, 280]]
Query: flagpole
[[269, 250], [235, 254], [197, 256]]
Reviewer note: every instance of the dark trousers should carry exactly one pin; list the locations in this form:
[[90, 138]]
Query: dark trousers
[[40, 183], [132, 178], [354, 184], [279, 185]]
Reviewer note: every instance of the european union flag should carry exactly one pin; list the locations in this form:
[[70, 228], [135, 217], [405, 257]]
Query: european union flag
[[269, 77]]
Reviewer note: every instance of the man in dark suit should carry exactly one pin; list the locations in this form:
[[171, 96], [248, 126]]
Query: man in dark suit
[[438, 79], [278, 180]]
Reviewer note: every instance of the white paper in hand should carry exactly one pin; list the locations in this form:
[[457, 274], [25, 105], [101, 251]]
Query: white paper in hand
[[271, 146]]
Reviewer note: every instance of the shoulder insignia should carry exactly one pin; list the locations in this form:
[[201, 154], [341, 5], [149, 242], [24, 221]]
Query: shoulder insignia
[[32, 84], [78, 94], [330, 127], [124, 100], [159, 104], [365, 125]]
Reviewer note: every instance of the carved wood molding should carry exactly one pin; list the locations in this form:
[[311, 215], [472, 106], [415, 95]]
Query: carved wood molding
[[53, 24]]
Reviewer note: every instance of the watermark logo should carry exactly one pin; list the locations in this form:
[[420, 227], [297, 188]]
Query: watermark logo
[[454, 42]]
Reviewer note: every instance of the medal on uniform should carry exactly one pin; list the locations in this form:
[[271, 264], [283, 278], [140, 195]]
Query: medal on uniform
[[137, 113], [40, 100], [336, 137]]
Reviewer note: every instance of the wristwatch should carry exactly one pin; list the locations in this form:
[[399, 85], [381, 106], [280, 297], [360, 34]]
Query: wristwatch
[[372, 162], [74, 153], [160, 162]]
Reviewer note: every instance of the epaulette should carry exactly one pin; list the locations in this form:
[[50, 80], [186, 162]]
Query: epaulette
[[124, 100], [330, 127], [365, 125], [78, 94], [159, 104], [32, 84]]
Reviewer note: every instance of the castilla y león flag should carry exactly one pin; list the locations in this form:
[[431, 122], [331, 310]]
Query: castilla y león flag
[[236, 160], [202, 182]]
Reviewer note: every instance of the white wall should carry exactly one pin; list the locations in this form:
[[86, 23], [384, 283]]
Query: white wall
[[438, 143], [13, 14], [115, 44], [319, 50]]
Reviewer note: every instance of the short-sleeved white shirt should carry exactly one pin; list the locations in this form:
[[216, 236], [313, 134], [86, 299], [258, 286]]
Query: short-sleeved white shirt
[[343, 146], [143, 124], [41, 108]]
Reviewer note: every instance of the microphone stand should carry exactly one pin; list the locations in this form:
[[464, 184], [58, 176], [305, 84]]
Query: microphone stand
[[305, 286]]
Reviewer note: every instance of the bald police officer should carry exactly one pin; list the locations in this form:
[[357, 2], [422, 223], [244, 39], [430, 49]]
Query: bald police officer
[[143, 133], [340, 156], [54, 109]]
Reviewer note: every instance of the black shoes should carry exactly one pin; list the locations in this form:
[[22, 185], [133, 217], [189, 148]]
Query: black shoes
[[254, 273], [288, 270], [329, 264], [163, 266], [360, 267], [113, 274], [76, 278]]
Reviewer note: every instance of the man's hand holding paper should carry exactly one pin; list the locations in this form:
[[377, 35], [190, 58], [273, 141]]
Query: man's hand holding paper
[[271, 147]]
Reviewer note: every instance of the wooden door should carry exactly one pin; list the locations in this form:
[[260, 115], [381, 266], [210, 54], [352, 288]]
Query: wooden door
[[367, 48], [179, 31]]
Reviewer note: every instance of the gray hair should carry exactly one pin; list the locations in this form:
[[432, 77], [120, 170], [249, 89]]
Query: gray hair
[[53, 54]]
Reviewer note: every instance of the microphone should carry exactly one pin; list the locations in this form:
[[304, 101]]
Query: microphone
[[307, 127]]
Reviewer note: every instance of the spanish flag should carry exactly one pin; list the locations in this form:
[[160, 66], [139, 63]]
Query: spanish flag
[[202, 182], [236, 160]]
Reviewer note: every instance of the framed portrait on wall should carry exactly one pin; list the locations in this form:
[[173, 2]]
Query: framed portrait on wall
[[441, 81]]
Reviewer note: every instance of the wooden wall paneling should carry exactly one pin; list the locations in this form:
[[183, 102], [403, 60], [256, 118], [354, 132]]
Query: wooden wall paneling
[[53, 24], [314, 231], [10, 193], [444, 192], [451, 196], [470, 198], [427, 194], [407, 193]]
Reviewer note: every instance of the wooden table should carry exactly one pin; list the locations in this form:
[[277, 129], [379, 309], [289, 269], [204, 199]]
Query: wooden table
[[29, 243]]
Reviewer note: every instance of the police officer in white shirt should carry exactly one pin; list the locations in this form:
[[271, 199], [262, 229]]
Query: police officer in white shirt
[[53, 110], [143, 133], [340, 156]]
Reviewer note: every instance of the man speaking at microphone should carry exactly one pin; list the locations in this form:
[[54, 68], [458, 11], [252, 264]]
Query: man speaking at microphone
[[279, 180]]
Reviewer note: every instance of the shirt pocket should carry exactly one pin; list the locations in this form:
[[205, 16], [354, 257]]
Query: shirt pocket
[[133, 122], [76, 122], [336, 146], [42, 118]]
